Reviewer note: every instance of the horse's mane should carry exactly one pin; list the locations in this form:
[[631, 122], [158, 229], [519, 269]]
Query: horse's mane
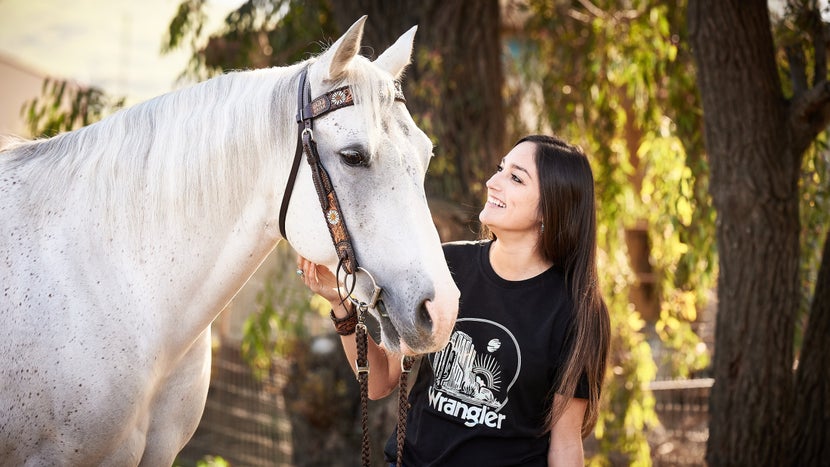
[[190, 154]]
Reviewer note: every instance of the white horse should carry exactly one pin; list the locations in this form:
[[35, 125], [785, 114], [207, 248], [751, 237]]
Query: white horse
[[121, 242]]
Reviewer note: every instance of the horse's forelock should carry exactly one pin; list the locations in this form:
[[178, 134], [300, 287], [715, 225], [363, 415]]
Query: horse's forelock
[[374, 92]]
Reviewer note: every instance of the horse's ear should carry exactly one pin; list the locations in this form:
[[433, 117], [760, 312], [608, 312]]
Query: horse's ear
[[397, 57], [344, 50]]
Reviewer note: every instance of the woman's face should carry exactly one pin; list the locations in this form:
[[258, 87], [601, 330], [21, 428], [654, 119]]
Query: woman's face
[[513, 193]]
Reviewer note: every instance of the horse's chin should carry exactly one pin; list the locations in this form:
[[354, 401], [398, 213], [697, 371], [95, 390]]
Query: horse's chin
[[393, 342], [400, 347], [389, 335], [392, 339], [404, 349]]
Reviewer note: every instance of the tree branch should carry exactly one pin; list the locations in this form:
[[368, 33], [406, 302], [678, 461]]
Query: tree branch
[[593, 9], [809, 115], [798, 68]]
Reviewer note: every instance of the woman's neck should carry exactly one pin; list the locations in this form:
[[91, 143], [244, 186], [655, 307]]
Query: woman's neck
[[517, 260]]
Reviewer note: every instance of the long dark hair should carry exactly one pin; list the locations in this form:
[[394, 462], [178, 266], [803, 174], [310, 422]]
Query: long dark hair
[[569, 239]]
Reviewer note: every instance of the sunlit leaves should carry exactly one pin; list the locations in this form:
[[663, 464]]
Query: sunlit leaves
[[631, 103], [258, 34], [65, 106], [281, 315], [815, 220], [186, 25]]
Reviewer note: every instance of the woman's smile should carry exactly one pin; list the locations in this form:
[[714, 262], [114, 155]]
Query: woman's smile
[[495, 202]]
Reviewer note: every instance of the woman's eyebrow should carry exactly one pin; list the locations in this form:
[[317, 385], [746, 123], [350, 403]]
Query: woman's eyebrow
[[519, 168]]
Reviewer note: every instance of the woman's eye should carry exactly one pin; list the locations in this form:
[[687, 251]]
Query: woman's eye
[[353, 158], [499, 168], [516, 179]]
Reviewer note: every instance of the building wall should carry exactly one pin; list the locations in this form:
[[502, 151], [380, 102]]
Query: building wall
[[18, 83]]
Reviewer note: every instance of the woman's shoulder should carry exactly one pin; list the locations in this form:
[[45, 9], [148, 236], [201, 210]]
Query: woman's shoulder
[[465, 245], [464, 249]]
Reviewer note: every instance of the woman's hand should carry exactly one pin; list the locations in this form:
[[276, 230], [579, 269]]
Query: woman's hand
[[318, 279], [386, 367]]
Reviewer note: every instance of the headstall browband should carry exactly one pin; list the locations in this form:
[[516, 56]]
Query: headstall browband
[[336, 99]]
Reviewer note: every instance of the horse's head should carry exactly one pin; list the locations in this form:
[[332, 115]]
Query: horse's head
[[377, 159]]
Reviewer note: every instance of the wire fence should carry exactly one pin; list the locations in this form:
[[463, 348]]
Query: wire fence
[[245, 419], [682, 407]]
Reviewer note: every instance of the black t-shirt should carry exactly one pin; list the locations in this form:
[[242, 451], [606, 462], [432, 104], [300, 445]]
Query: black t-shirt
[[483, 399]]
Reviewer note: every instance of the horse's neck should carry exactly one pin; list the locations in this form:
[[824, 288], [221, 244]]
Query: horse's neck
[[186, 217], [208, 267], [171, 282], [223, 232]]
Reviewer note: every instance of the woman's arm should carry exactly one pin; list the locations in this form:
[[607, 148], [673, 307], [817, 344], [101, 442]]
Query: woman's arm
[[566, 435], [384, 366]]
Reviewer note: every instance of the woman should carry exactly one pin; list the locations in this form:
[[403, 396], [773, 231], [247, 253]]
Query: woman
[[519, 381]]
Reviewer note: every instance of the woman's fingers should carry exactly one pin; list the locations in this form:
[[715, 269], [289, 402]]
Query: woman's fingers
[[323, 274], [317, 278]]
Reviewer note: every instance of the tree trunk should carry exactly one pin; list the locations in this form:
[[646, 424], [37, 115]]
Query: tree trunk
[[809, 442], [754, 187], [453, 88]]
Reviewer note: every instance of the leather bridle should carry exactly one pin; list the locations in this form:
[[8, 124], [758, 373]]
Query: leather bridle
[[307, 110]]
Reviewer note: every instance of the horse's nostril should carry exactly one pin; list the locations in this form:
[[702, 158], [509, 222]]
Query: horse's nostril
[[423, 319]]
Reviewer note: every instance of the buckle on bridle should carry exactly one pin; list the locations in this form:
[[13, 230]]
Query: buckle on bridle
[[309, 132], [374, 301]]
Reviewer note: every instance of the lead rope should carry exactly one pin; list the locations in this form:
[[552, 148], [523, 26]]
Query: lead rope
[[362, 366], [403, 407]]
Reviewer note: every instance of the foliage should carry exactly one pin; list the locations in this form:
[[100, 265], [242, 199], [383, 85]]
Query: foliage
[[186, 26], [206, 461], [259, 33], [64, 106], [628, 408], [213, 461], [815, 222], [623, 88], [280, 319]]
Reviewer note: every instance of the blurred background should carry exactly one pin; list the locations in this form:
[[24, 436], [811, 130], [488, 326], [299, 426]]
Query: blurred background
[[114, 46], [705, 124]]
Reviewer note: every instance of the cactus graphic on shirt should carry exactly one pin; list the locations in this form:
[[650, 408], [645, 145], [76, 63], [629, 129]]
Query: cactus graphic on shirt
[[464, 373]]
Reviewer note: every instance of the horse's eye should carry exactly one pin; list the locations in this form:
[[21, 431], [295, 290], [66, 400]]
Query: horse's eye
[[353, 158]]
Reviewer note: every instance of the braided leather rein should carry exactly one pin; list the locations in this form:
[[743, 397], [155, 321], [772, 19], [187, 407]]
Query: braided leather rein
[[307, 110]]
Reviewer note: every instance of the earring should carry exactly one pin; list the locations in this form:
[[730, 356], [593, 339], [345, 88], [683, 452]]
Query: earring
[[543, 228]]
